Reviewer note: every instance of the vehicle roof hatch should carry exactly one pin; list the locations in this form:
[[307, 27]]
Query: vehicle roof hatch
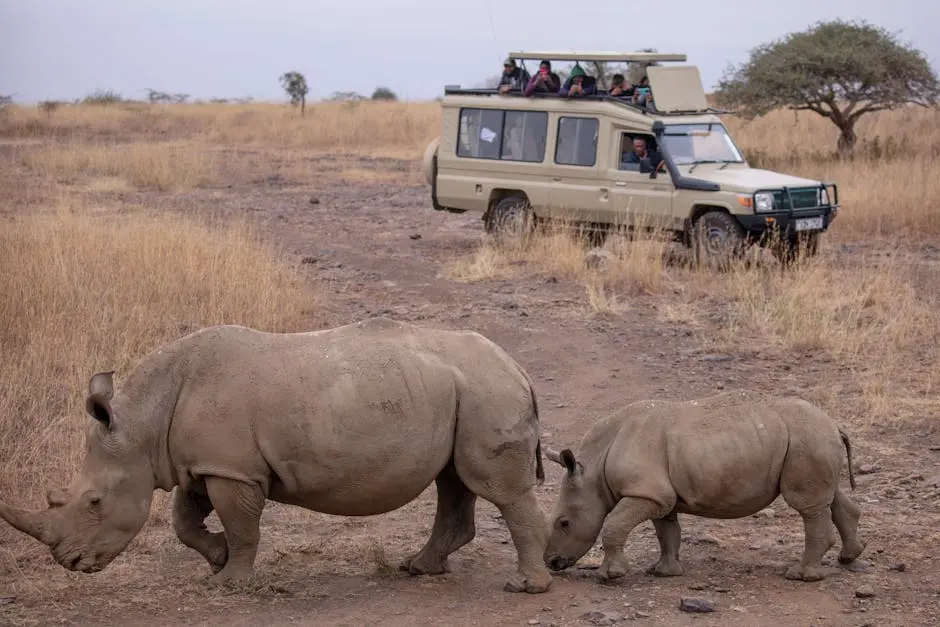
[[677, 88]]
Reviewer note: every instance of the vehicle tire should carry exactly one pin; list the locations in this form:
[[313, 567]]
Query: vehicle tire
[[717, 240], [510, 220], [795, 248]]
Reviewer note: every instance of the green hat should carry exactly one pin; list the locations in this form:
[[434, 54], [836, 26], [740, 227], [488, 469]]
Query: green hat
[[577, 71]]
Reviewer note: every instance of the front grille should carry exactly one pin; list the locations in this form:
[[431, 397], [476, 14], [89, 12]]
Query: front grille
[[803, 198]]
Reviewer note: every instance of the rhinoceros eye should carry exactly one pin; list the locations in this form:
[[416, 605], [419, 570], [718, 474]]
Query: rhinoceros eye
[[564, 523]]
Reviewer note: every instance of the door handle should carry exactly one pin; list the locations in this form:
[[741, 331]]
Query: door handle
[[620, 184], [556, 179]]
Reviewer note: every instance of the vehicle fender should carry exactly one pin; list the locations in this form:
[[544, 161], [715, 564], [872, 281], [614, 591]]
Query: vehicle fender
[[427, 161]]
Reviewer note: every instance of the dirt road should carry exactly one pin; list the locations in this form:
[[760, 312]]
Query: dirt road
[[382, 249]]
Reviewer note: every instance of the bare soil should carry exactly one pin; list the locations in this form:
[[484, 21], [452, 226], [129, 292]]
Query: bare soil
[[378, 248]]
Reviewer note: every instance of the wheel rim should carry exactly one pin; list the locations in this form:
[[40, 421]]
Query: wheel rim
[[512, 220], [716, 240]]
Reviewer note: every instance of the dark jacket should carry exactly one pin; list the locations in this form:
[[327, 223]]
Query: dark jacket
[[589, 83], [647, 163], [517, 79]]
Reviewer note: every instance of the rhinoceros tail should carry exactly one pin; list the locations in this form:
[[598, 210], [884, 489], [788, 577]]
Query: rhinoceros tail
[[539, 468], [848, 453]]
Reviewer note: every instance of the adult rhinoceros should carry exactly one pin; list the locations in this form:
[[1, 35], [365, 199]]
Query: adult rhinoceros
[[725, 456], [355, 421]]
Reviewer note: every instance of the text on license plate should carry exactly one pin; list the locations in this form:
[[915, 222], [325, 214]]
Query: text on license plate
[[808, 224]]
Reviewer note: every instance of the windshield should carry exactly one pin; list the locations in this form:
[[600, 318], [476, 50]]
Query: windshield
[[700, 143]]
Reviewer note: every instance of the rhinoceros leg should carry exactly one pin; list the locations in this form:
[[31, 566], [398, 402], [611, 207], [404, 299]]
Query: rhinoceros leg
[[239, 506], [669, 534], [508, 482], [845, 515], [818, 539], [805, 487], [190, 509], [626, 515], [453, 525], [529, 534]]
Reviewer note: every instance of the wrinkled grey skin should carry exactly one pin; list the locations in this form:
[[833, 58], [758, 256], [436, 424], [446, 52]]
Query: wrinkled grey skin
[[354, 421], [725, 456]]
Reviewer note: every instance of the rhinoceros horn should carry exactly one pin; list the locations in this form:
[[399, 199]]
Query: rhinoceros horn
[[37, 524]]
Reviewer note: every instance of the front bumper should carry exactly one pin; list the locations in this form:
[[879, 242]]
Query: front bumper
[[790, 224], [787, 221]]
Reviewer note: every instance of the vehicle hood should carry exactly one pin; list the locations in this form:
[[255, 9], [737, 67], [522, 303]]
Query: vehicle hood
[[741, 179]]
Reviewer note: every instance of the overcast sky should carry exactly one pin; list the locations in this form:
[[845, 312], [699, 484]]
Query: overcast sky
[[63, 49]]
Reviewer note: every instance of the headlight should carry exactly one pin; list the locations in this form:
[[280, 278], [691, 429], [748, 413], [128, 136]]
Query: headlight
[[822, 197], [764, 201]]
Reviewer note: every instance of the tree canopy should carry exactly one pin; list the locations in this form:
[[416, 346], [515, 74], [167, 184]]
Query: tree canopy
[[839, 70], [295, 84]]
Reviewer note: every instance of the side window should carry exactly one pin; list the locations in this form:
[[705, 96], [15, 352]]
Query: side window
[[480, 134], [524, 135], [577, 141], [506, 135]]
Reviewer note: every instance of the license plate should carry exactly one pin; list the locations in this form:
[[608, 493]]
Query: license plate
[[809, 224]]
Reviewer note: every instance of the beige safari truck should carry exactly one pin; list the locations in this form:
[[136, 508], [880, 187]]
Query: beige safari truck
[[520, 159]]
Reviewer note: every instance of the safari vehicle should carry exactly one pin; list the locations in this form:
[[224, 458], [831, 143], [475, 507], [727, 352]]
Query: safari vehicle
[[520, 159]]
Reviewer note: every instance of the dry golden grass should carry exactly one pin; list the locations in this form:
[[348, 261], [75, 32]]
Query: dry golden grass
[[84, 293], [162, 167]]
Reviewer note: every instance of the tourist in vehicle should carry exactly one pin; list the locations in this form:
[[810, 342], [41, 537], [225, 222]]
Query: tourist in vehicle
[[642, 91], [514, 78], [641, 154], [578, 84], [620, 88], [545, 81]]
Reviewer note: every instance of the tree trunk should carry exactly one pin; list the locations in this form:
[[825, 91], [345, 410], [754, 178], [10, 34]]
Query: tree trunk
[[847, 139], [303, 105]]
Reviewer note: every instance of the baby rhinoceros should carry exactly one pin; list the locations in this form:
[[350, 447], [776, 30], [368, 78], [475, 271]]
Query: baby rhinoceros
[[352, 421], [725, 456]]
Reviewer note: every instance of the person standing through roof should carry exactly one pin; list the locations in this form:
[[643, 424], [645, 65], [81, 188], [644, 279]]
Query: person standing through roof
[[578, 84], [514, 78], [545, 81]]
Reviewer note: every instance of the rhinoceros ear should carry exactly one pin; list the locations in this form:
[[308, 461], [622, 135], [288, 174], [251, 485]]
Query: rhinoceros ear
[[567, 458], [100, 392]]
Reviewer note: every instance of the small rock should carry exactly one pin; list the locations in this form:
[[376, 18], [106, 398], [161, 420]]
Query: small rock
[[415, 236], [601, 618], [899, 567], [693, 604], [698, 585], [865, 592], [314, 201], [640, 614], [867, 469], [7, 600], [534, 621], [309, 260]]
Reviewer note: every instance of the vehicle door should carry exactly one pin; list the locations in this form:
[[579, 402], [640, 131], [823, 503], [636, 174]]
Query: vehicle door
[[577, 189], [636, 199]]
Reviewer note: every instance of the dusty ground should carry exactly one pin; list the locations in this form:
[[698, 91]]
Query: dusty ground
[[380, 248]]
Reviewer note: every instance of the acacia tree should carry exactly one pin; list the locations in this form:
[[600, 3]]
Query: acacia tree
[[839, 70], [295, 85]]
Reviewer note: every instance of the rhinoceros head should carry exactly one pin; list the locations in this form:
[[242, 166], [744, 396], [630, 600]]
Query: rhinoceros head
[[90, 523], [578, 515]]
